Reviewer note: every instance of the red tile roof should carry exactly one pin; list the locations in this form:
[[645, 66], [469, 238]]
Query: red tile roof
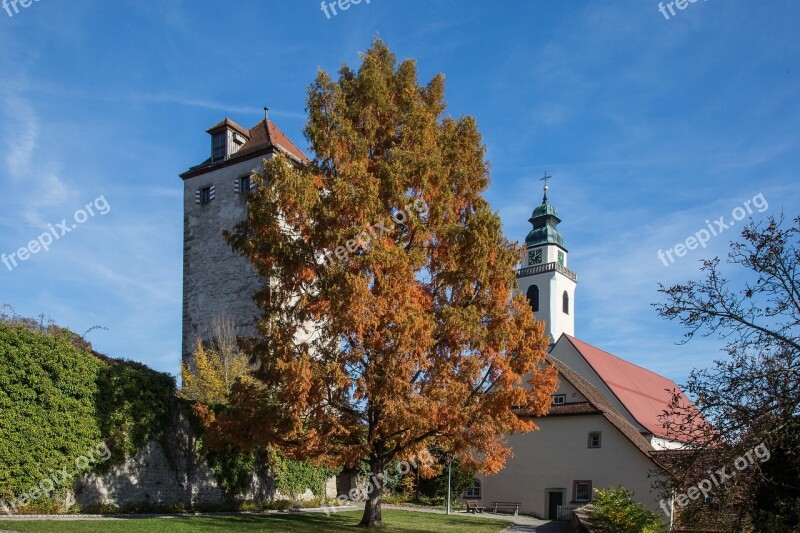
[[259, 137], [260, 140], [645, 394]]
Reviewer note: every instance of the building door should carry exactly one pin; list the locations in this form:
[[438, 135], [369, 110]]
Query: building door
[[556, 499]]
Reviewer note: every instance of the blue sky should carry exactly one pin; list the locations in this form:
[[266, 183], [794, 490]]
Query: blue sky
[[649, 126]]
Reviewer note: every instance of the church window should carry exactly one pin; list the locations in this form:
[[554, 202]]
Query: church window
[[582, 491], [533, 297], [594, 439], [565, 302], [474, 491]]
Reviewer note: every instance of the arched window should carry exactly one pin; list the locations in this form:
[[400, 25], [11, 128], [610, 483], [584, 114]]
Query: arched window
[[565, 302], [533, 297], [474, 491]]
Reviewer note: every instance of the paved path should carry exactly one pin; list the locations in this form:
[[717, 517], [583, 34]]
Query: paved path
[[521, 523]]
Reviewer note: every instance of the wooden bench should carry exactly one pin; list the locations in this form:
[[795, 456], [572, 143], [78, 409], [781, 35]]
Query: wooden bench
[[472, 507], [510, 506]]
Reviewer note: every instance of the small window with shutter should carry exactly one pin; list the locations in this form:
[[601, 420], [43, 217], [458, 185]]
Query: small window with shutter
[[242, 185], [205, 195]]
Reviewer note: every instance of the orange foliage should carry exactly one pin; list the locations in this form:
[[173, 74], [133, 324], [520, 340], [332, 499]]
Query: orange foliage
[[419, 339]]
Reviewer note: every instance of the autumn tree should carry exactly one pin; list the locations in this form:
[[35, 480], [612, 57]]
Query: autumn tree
[[209, 377], [391, 320], [751, 396]]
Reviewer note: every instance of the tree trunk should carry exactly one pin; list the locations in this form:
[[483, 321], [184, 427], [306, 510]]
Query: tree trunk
[[372, 511], [372, 507]]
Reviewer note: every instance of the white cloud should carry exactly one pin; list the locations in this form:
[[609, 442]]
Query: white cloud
[[20, 134], [33, 175]]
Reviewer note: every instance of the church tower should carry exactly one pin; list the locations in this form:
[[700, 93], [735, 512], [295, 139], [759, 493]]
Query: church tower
[[544, 277]]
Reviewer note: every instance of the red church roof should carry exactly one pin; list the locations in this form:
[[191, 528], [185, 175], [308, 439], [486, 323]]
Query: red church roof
[[645, 394]]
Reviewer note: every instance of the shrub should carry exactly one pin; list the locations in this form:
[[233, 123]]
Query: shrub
[[615, 511]]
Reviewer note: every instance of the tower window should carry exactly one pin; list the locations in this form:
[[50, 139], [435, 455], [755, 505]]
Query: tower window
[[474, 491], [204, 195], [244, 184], [594, 439], [533, 297], [565, 302]]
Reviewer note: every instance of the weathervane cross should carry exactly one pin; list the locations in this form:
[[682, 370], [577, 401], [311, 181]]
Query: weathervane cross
[[545, 178]]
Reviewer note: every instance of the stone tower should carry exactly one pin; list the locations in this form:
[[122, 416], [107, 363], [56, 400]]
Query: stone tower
[[216, 281]]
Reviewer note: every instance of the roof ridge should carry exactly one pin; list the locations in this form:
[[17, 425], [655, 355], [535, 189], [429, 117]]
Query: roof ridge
[[266, 127]]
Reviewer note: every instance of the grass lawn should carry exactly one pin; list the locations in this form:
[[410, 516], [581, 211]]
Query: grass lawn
[[394, 522]]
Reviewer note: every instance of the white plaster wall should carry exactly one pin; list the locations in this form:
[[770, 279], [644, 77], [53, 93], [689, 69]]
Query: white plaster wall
[[558, 454]]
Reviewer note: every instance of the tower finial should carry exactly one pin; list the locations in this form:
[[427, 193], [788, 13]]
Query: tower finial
[[545, 179], [266, 114]]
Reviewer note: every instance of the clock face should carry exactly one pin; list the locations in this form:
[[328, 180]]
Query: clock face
[[534, 257], [561, 258]]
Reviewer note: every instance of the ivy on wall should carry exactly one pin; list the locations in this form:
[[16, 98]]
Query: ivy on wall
[[135, 405], [58, 400], [47, 410], [292, 478]]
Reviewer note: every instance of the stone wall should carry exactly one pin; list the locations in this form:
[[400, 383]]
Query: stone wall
[[172, 472]]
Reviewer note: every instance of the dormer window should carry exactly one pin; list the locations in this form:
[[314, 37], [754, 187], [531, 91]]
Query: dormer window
[[218, 146]]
